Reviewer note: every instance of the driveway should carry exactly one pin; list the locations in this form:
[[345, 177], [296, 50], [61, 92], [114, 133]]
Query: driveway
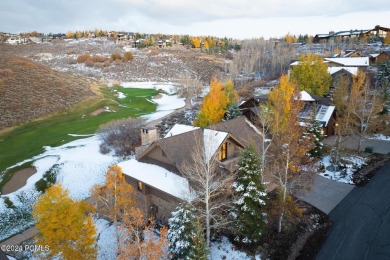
[[361, 222], [326, 194], [352, 142]]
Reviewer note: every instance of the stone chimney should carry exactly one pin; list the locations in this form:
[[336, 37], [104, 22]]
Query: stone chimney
[[148, 135]]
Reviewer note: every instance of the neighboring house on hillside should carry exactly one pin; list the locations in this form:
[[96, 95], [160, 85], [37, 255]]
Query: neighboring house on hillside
[[339, 73], [321, 106], [331, 37], [14, 40], [378, 58], [157, 173], [360, 62]]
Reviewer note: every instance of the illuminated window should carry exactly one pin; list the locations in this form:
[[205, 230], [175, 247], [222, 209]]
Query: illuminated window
[[223, 152], [139, 185]]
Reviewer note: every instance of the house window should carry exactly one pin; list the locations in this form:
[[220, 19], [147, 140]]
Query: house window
[[139, 185], [223, 152]]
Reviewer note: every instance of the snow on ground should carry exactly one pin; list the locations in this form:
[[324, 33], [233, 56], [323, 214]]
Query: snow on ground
[[352, 163], [380, 137], [106, 242], [121, 95], [169, 88], [79, 166], [165, 105], [225, 250]]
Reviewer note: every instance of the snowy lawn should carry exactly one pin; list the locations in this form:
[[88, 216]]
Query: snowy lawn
[[169, 88], [165, 105], [78, 166], [344, 175], [107, 245], [225, 250]]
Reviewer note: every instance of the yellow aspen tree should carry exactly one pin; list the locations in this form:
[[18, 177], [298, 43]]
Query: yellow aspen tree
[[78, 34], [311, 74], [114, 199], [64, 225], [387, 38], [289, 146], [214, 105], [206, 45], [231, 92], [69, 35], [279, 102], [365, 106], [196, 43], [141, 241]]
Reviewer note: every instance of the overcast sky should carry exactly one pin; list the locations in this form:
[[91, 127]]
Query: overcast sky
[[232, 18]]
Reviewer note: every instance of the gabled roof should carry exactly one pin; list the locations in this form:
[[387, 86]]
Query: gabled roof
[[158, 178], [242, 129], [180, 129], [351, 61], [179, 148], [304, 96], [350, 70]]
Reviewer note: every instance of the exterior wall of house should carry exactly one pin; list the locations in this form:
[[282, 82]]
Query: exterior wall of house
[[232, 150], [153, 202], [382, 57], [158, 154], [161, 204]]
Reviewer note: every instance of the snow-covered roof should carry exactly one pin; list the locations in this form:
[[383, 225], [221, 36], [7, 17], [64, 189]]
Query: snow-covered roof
[[374, 55], [306, 96], [212, 141], [351, 61], [158, 177], [324, 113], [352, 70], [180, 129]]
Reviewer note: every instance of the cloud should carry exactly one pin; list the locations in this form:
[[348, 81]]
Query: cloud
[[173, 16]]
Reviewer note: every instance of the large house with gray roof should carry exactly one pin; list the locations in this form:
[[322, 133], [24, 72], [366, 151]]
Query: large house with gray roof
[[157, 173]]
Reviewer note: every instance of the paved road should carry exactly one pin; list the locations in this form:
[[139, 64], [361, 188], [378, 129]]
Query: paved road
[[326, 194], [361, 222], [352, 142]]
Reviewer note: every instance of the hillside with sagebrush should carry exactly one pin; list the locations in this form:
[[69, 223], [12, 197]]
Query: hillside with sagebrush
[[29, 90]]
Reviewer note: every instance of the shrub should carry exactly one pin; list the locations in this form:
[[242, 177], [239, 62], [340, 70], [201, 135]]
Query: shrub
[[9, 203], [83, 58], [106, 63], [89, 63], [98, 58], [49, 178], [117, 62], [6, 73], [116, 56], [121, 136], [128, 56]]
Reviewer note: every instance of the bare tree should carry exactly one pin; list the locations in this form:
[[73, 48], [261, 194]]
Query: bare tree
[[190, 86], [365, 107], [211, 183], [121, 136]]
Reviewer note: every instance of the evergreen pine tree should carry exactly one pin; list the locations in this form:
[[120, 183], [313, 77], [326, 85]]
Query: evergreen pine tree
[[251, 198], [232, 111], [182, 230], [199, 251], [314, 130]]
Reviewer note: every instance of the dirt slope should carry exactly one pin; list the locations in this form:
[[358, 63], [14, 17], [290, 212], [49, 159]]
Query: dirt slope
[[29, 90]]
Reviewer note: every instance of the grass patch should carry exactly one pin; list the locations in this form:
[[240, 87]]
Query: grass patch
[[27, 140]]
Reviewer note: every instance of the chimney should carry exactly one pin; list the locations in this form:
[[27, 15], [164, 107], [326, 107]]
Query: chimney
[[148, 135]]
